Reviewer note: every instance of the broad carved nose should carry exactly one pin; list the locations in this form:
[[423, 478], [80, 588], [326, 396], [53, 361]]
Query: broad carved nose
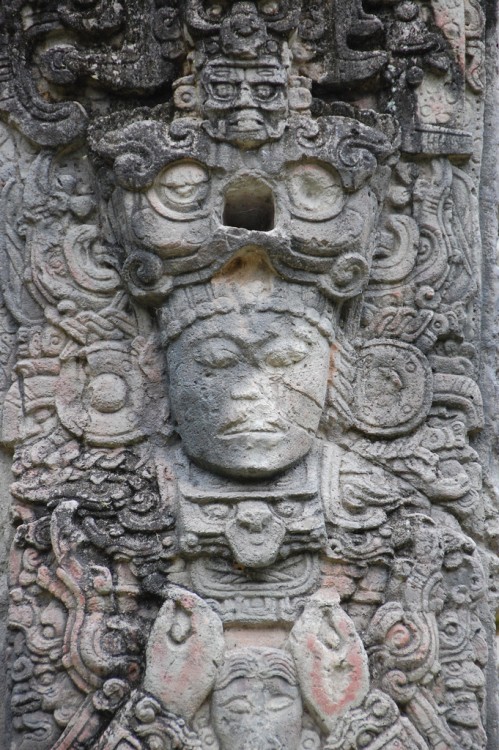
[[254, 517], [245, 390], [245, 98]]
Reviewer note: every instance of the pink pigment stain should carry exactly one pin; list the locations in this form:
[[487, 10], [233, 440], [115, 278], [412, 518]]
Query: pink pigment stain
[[319, 690], [192, 664]]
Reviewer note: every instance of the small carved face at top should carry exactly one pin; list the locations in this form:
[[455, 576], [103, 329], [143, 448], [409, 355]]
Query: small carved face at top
[[247, 390], [256, 703], [245, 104]]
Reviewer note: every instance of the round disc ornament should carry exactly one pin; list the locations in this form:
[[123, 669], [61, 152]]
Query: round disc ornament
[[105, 397], [392, 389]]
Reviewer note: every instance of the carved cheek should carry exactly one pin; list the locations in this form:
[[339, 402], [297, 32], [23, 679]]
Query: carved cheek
[[198, 400], [302, 388], [184, 386]]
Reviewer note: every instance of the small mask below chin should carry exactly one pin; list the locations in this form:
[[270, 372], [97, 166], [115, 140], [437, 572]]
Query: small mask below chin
[[255, 535]]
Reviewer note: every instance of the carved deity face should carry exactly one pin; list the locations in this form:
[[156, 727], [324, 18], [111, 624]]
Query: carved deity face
[[245, 104], [247, 391], [256, 703]]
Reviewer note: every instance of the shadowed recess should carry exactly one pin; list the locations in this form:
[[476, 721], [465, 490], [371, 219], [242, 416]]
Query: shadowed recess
[[249, 205]]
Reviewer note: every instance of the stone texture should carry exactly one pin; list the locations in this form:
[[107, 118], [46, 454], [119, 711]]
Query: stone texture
[[247, 374]]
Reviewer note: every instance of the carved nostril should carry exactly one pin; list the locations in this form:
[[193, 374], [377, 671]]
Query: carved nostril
[[249, 204]]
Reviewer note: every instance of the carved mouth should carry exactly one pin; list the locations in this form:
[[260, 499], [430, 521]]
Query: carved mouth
[[255, 538], [246, 122], [247, 427], [251, 431]]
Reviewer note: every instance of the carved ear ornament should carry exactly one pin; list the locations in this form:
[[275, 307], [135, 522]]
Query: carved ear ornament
[[383, 387], [386, 388], [392, 389], [107, 397]]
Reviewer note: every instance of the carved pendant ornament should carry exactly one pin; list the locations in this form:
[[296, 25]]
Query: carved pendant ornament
[[241, 268]]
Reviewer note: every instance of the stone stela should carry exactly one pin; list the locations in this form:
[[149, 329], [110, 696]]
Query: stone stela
[[240, 363]]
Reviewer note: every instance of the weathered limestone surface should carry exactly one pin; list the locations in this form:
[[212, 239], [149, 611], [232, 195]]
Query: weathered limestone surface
[[248, 374]]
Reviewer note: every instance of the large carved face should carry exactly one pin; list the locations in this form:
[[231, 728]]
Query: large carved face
[[256, 703], [247, 390]]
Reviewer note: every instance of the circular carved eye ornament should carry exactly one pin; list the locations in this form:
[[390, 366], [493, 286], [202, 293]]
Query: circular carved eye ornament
[[315, 190], [393, 388], [180, 188]]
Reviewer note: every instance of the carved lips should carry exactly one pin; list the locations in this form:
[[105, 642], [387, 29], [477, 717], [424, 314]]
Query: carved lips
[[253, 425]]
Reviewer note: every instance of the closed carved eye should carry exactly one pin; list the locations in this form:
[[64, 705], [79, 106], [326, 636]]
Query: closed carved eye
[[279, 702], [218, 355], [239, 706], [284, 356]]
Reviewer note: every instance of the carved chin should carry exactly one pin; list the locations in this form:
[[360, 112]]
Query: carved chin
[[309, 740], [266, 743], [253, 455]]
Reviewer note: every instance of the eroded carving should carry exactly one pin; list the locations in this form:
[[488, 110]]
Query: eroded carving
[[241, 376]]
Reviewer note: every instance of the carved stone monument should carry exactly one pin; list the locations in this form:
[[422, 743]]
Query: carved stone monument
[[244, 282]]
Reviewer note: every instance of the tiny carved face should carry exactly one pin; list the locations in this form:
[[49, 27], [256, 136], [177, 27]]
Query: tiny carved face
[[256, 703], [248, 390], [245, 105]]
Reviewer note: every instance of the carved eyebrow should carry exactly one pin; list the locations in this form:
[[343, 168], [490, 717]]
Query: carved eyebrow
[[237, 339], [216, 338], [249, 665], [224, 74], [266, 76], [281, 670], [222, 335]]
